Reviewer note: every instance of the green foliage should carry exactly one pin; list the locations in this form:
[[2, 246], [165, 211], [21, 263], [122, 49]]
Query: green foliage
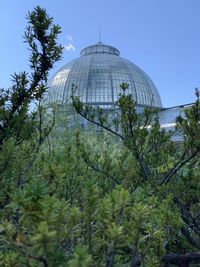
[[167, 175], [41, 35], [81, 258], [125, 196]]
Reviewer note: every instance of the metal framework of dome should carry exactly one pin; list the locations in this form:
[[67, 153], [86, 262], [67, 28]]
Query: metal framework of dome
[[98, 73]]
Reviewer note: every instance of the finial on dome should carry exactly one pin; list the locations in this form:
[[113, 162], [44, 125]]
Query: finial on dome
[[99, 42], [99, 34]]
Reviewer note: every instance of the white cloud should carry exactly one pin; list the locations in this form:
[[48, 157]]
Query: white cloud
[[69, 38], [70, 47]]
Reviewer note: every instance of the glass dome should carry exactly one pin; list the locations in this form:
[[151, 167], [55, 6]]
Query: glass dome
[[98, 73]]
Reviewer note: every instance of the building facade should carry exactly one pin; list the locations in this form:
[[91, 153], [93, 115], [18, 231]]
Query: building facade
[[98, 73]]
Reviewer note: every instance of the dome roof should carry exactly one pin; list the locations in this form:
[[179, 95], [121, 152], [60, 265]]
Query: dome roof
[[98, 73]]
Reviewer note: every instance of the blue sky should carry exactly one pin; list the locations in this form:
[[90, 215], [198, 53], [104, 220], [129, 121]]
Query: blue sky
[[160, 36]]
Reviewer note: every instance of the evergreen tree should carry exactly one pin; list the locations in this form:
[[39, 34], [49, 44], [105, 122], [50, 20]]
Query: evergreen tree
[[125, 196]]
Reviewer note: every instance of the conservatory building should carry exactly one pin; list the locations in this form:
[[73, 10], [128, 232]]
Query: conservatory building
[[97, 75]]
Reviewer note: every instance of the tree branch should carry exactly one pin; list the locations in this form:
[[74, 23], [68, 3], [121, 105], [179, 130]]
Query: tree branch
[[101, 125], [189, 238], [96, 169], [177, 259], [178, 166]]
